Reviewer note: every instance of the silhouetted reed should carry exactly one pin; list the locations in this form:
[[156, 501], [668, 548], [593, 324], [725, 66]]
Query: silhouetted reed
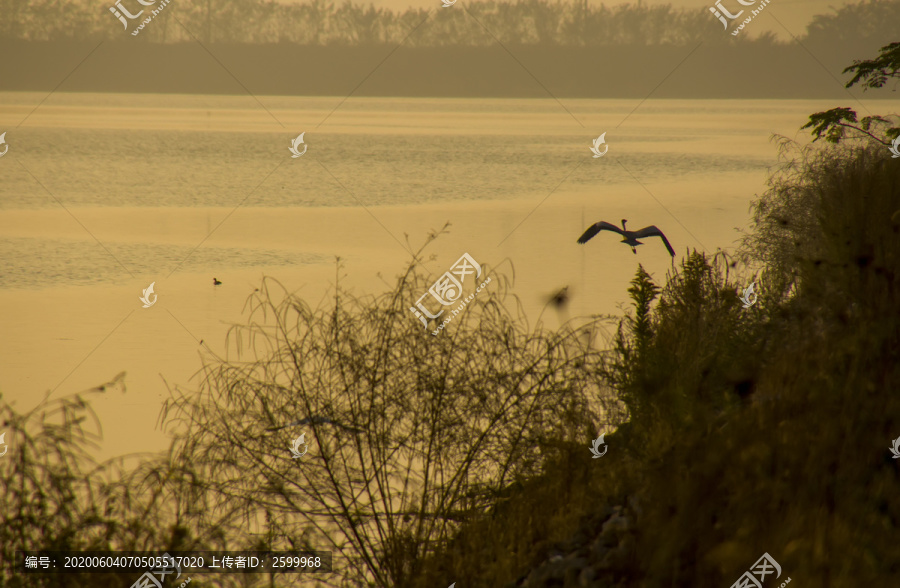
[[423, 432], [55, 496]]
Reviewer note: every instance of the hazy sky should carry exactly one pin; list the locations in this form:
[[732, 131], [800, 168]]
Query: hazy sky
[[793, 14]]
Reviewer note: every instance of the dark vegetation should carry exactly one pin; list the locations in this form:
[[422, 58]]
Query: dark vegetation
[[55, 497], [323, 48], [750, 430], [429, 430], [318, 22], [736, 431], [839, 123]]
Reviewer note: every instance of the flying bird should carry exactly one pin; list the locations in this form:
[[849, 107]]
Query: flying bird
[[216, 282], [316, 420], [560, 299], [117, 383], [631, 237]]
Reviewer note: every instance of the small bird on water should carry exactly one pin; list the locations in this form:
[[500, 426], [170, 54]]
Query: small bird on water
[[631, 237], [216, 282]]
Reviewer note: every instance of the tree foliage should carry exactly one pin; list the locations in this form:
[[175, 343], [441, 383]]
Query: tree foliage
[[833, 124], [320, 22]]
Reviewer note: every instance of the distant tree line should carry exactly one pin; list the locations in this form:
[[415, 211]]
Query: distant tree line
[[319, 22]]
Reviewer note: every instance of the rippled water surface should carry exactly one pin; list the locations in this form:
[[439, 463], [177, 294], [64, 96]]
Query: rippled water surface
[[100, 195]]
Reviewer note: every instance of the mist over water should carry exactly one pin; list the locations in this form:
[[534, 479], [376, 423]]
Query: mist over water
[[207, 151], [152, 181]]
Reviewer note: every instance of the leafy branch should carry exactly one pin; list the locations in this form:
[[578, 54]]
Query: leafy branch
[[833, 124], [875, 73]]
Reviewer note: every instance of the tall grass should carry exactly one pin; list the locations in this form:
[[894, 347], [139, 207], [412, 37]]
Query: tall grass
[[54, 496], [750, 430], [48, 496], [428, 430], [803, 471]]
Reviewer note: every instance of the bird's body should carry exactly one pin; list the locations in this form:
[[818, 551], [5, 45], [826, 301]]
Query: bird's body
[[118, 383], [216, 282], [560, 299], [631, 237]]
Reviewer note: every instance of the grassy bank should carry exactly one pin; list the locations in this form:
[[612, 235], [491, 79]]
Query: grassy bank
[[751, 430]]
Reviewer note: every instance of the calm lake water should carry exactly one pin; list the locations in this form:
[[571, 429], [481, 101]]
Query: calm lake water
[[103, 194]]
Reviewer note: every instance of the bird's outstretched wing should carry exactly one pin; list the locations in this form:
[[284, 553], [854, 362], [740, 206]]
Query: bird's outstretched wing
[[596, 228], [117, 382], [652, 231]]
